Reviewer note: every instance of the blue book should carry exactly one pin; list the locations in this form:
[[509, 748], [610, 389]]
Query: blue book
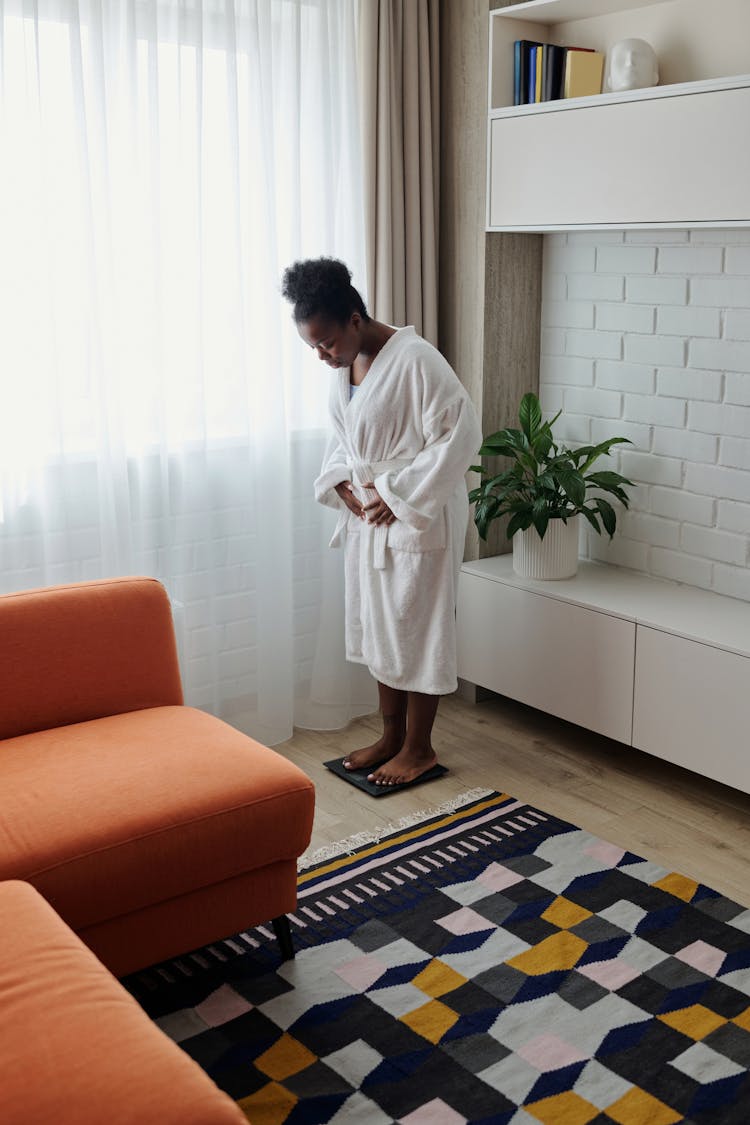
[[522, 49], [517, 54], [533, 55]]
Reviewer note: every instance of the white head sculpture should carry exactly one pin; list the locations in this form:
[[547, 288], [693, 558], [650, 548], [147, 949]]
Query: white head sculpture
[[631, 65]]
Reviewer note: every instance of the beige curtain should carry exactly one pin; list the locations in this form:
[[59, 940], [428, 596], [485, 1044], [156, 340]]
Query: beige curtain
[[399, 67]]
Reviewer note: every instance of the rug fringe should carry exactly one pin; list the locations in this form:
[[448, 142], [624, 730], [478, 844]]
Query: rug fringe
[[361, 839]]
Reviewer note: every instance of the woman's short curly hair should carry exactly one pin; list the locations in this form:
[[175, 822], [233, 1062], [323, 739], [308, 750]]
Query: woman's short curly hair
[[322, 287]]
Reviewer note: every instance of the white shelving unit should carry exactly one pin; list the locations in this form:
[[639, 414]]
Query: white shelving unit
[[662, 667], [677, 154]]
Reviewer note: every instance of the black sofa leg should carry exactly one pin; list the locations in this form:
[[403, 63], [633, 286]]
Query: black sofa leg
[[283, 932]]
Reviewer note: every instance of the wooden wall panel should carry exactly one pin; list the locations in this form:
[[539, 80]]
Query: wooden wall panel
[[490, 284]]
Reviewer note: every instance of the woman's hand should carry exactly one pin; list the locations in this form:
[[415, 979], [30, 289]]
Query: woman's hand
[[345, 493], [378, 511]]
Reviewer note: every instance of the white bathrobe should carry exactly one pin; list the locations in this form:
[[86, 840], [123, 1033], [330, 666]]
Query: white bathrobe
[[411, 429]]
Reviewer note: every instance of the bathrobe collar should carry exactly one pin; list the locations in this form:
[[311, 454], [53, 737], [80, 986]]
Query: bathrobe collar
[[347, 399]]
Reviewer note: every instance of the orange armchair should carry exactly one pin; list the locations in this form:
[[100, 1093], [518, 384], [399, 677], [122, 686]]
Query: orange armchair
[[152, 828]]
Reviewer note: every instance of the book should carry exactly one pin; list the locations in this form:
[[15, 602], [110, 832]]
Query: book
[[517, 73], [583, 72], [521, 65], [538, 71], [554, 64]]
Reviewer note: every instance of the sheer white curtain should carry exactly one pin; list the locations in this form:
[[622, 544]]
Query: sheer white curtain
[[161, 161]]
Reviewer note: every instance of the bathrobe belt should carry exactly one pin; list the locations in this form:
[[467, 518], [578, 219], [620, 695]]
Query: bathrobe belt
[[363, 472]]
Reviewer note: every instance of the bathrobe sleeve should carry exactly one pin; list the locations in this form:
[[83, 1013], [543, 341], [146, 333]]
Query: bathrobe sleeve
[[336, 460], [334, 469], [452, 436]]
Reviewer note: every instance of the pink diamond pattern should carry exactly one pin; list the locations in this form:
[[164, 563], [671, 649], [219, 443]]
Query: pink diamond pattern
[[609, 974], [435, 1112], [497, 878], [222, 1006], [465, 921], [702, 956], [362, 972], [547, 1052], [609, 854]]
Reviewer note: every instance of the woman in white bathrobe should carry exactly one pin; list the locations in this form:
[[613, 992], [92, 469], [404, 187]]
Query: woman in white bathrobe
[[404, 435]]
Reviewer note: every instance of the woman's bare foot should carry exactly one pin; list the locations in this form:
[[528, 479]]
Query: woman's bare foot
[[409, 764], [380, 752]]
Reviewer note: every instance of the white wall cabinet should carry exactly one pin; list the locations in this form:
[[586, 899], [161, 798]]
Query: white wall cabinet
[[677, 154], [659, 666]]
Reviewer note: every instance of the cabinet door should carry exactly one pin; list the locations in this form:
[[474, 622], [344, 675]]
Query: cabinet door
[[660, 160], [571, 662], [692, 706]]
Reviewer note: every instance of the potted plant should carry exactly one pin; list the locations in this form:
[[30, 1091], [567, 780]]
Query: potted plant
[[544, 491]]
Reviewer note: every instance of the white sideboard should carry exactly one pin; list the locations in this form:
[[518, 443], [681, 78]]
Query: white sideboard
[[677, 154], [656, 665]]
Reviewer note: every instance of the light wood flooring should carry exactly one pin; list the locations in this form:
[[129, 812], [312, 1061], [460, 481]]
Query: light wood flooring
[[659, 811]]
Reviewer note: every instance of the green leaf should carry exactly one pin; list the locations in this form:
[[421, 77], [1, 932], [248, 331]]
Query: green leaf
[[573, 485], [591, 517], [530, 415], [504, 443], [602, 450], [607, 479], [543, 442], [475, 469], [540, 521], [607, 512], [519, 522]]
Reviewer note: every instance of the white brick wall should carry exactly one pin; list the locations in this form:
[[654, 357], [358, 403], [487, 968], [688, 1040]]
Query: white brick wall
[[646, 335]]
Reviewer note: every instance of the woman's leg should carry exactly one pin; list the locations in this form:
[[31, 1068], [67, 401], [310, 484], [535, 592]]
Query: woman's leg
[[416, 755], [393, 705]]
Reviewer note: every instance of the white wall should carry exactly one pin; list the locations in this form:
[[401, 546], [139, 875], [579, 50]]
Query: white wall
[[646, 335]]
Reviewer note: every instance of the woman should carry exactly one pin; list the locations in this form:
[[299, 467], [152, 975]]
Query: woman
[[404, 435]]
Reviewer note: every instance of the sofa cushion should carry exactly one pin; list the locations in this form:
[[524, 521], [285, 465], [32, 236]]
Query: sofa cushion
[[75, 653], [75, 1048], [109, 816]]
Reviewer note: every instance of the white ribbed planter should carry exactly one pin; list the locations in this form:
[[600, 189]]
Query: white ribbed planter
[[555, 556]]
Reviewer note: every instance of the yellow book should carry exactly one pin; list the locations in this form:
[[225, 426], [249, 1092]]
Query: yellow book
[[539, 72], [583, 73]]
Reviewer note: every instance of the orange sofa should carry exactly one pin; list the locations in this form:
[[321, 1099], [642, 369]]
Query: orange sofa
[[75, 1048], [152, 828]]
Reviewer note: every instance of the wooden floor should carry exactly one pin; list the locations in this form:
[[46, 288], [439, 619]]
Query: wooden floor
[[659, 811]]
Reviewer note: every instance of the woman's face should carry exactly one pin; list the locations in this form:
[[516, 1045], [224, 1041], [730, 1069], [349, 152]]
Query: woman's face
[[336, 344]]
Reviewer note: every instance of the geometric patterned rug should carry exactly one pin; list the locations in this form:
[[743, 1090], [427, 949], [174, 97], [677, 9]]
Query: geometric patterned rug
[[491, 965]]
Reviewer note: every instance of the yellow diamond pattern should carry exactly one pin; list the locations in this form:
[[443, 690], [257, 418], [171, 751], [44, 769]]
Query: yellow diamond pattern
[[438, 978], [565, 914], [431, 1021], [695, 1021], [639, 1108], [679, 886], [271, 1105], [563, 1109], [558, 951], [286, 1057]]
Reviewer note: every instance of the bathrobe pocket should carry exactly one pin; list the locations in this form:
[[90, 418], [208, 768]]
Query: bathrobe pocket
[[401, 537]]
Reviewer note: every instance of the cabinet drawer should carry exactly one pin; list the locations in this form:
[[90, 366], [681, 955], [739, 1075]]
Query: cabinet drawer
[[668, 159], [572, 662], [692, 706]]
